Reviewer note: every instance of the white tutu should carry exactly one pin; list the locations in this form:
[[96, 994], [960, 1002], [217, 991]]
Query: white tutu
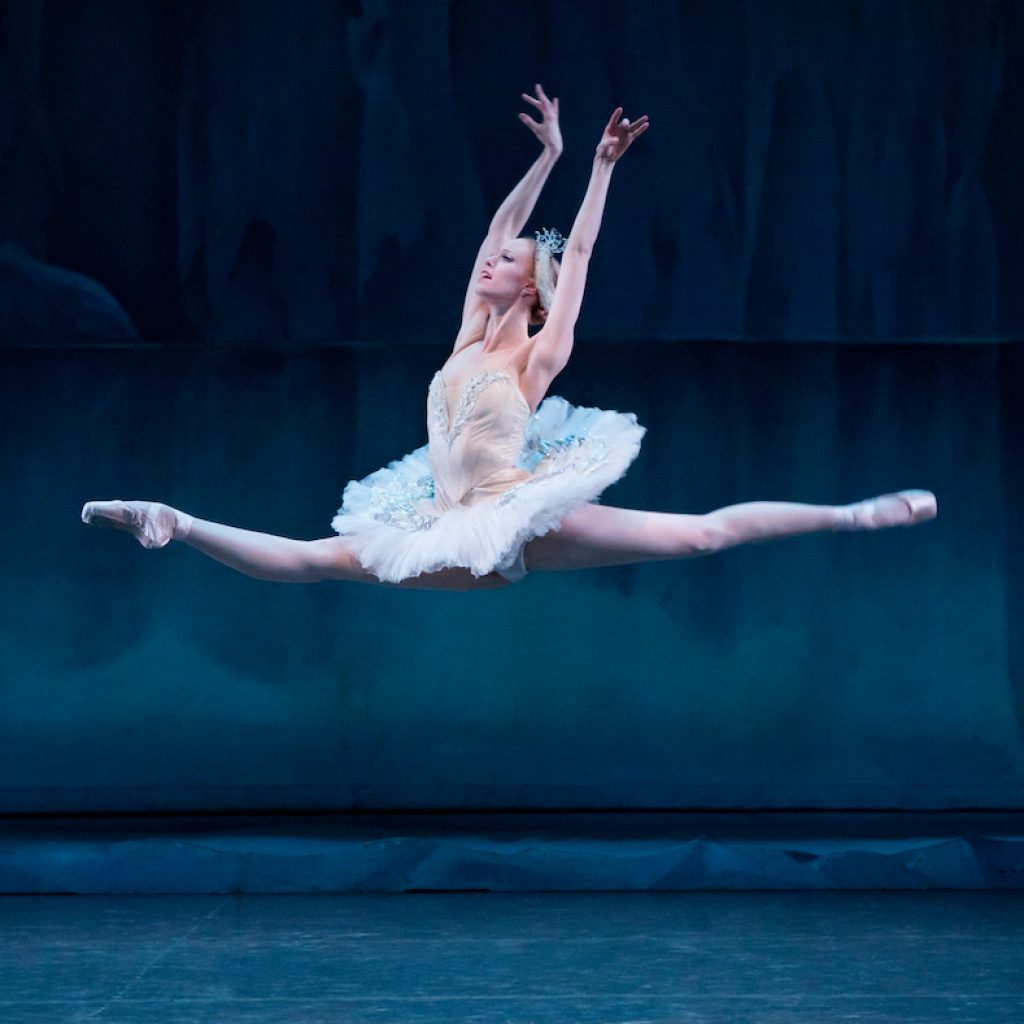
[[571, 454]]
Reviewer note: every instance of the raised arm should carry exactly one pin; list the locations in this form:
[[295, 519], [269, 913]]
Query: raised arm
[[514, 212], [553, 342]]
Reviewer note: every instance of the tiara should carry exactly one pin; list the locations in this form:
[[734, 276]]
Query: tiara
[[550, 239]]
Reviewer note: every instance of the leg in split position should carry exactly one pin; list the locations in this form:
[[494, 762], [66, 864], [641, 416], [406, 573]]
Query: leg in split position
[[263, 556], [600, 535]]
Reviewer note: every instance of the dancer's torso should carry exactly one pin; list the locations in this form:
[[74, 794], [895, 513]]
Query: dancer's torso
[[475, 428]]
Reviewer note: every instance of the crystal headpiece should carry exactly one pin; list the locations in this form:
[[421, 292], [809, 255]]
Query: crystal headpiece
[[550, 239]]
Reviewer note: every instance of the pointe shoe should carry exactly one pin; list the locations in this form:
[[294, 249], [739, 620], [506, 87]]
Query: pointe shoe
[[902, 508], [151, 523]]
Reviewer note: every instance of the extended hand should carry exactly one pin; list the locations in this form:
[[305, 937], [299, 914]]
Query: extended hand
[[618, 135], [547, 131]]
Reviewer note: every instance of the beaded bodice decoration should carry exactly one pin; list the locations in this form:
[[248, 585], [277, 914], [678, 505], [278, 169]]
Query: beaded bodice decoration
[[468, 397], [475, 444]]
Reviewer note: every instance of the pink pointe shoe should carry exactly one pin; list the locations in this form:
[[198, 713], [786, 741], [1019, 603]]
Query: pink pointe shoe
[[151, 523], [902, 508]]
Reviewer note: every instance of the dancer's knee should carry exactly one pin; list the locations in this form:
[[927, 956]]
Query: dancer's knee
[[330, 558], [713, 534], [693, 536]]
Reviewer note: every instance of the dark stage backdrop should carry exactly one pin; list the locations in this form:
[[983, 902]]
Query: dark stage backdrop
[[322, 170], [233, 248]]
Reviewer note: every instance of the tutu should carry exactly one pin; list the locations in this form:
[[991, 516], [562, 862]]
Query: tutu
[[490, 479]]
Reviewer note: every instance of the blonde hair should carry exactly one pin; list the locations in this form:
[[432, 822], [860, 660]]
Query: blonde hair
[[545, 277]]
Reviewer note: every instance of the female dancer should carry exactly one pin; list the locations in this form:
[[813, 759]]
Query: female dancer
[[508, 479]]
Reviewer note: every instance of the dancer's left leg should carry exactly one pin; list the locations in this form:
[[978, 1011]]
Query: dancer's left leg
[[599, 535]]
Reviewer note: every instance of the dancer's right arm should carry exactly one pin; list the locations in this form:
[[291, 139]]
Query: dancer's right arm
[[514, 212]]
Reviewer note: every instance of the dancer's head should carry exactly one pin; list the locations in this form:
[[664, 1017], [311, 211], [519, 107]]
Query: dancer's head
[[520, 271]]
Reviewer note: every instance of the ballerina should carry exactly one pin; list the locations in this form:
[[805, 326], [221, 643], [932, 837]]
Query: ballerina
[[508, 480]]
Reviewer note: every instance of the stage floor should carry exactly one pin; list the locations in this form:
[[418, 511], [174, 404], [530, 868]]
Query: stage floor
[[570, 958]]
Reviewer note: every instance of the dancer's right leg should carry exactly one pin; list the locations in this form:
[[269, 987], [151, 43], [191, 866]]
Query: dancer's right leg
[[264, 556], [269, 557]]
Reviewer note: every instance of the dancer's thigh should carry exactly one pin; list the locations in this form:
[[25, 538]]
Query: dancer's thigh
[[333, 559], [599, 535]]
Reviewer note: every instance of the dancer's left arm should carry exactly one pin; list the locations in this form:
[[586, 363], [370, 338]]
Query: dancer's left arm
[[552, 344]]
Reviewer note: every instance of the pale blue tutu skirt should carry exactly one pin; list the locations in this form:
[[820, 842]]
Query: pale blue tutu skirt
[[572, 455]]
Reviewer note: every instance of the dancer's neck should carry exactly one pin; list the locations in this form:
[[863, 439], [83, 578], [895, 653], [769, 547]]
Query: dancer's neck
[[506, 329]]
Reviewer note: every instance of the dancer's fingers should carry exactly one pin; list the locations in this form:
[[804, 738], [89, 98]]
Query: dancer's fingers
[[530, 99], [613, 120], [541, 93]]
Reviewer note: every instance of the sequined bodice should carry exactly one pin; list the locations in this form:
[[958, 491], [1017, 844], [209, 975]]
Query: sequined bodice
[[476, 435]]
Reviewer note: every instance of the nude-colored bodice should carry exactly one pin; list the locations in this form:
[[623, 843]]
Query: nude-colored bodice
[[475, 436]]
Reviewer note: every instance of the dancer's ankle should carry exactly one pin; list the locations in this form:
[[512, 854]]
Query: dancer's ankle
[[182, 525], [845, 518]]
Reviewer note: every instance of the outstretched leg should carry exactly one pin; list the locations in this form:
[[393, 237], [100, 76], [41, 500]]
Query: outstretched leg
[[282, 559], [599, 535], [264, 556]]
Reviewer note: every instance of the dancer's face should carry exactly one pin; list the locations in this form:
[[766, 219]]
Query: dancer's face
[[507, 271]]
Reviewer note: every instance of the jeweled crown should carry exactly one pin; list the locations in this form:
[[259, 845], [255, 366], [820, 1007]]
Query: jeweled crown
[[550, 239]]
